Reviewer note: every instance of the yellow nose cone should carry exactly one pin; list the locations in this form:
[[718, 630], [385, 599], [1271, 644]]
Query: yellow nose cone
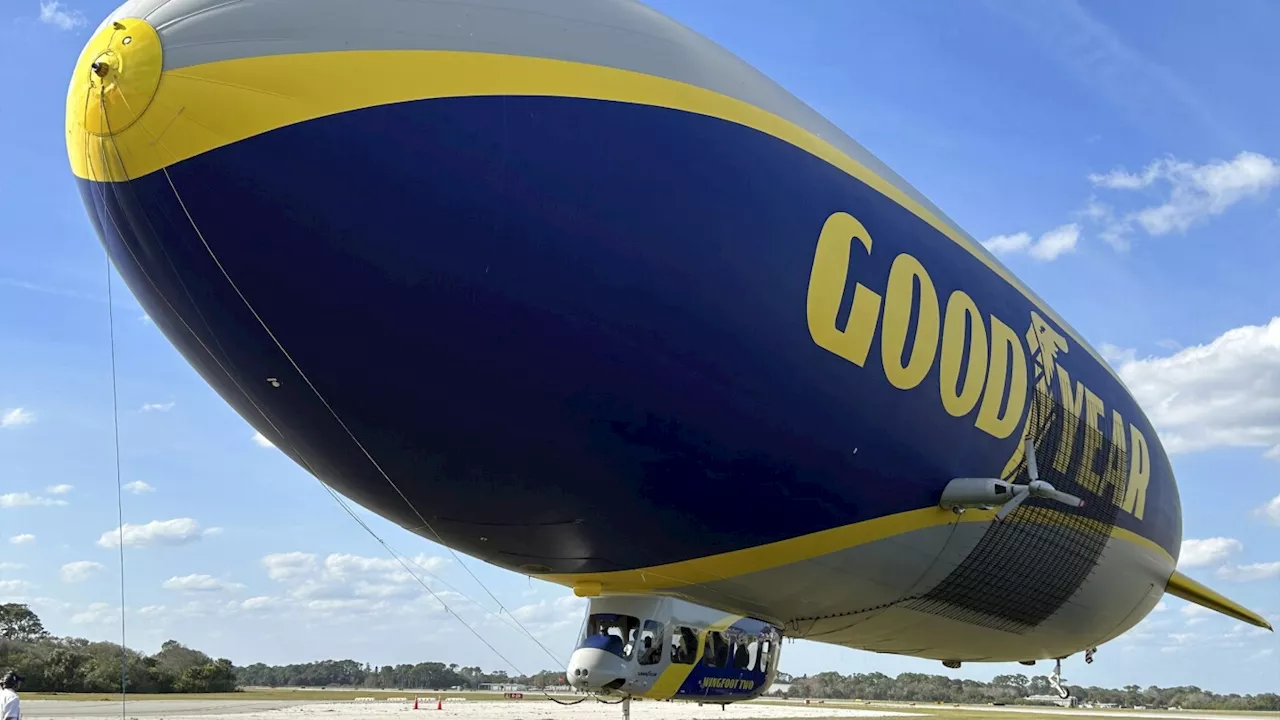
[[117, 75], [114, 81]]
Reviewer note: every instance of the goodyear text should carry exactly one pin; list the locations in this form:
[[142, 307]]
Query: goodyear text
[[951, 332]]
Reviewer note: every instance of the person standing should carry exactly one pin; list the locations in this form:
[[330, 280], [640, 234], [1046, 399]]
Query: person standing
[[9, 704]]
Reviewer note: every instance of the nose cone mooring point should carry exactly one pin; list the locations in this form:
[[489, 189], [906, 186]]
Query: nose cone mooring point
[[116, 77], [113, 84]]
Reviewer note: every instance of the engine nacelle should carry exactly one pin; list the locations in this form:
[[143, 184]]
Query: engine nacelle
[[666, 648], [975, 492]]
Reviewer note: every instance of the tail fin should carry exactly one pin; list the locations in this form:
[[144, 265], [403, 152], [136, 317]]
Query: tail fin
[[1193, 592]]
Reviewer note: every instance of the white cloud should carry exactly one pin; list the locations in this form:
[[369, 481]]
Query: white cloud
[[1223, 393], [1195, 192], [80, 570], [1008, 243], [1056, 242], [97, 614], [138, 487], [16, 417], [1196, 614], [24, 499], [261, 440], [260, 602], [343, 565], [1121, 180], [157, 407], [1250, 572], [52, 13], [1051, 245], [11, 566], [146, 319], [22, 539], [1116, 356], [282, 566], [1114, 231], [353, 584], [549, 617], [1160, 607], [178, 531], [59, 489], [1095, 211], [152, 610], [1210, 551], [12, 587], [199, 583], [1242, 630], [1271, 511]]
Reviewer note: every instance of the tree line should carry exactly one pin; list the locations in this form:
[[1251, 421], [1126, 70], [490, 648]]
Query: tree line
[[53, 664], [351, 674], [919, 687]]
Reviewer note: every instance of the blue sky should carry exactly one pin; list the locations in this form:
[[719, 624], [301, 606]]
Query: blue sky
[[1120, 157]]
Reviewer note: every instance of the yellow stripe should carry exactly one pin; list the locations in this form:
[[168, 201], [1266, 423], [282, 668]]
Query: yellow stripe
[[199, 108], [763, 557], [669, 682], [1193, 592], [723, 566]]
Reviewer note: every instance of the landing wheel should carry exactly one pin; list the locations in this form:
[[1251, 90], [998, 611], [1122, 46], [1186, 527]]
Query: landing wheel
[[1055, 680]]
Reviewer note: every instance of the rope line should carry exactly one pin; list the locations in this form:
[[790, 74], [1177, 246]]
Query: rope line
[[316, 391], [115, 421], [119, 487], [230, 376], [195, 305], [115, 411]]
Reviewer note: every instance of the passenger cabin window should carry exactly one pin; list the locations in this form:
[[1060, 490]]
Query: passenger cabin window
[[651, 643], [740, 655], [684, 645], [766, 653], [753, 653], [612, 633], [717, 655]]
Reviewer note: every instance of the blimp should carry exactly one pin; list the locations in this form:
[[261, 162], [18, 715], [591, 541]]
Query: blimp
[[568, 288]]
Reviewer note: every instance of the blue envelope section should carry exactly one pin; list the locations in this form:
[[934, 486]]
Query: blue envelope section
[[537, 328]]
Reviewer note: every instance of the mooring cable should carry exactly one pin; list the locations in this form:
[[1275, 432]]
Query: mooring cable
[[115, 420], [337, 418], [110, 138]]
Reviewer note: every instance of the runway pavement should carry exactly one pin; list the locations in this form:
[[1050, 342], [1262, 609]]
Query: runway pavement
[[150, 708], [453, 710]]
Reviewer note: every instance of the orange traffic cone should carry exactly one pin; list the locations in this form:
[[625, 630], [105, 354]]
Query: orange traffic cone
[[415, 703], [439, 704]]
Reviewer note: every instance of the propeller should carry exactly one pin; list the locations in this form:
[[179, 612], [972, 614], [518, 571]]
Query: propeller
[[1035, 488]]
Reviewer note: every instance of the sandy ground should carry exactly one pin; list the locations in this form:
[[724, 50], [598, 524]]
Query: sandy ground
[[941, 710], [540, 710], [464, 710]]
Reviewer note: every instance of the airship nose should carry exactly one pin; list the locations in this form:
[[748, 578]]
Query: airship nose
[[112, 87], [595, 669]]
